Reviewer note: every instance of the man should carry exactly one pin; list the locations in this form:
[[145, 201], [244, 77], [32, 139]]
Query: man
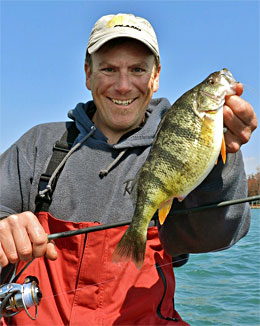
[[80, 284]]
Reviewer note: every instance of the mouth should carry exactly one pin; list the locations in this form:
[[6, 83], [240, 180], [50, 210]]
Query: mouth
[[123, 102]]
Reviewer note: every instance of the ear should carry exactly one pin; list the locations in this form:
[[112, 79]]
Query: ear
[[156, 79], [88, 76]]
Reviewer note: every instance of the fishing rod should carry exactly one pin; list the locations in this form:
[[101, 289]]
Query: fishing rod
[[102, 227], [16, 297]]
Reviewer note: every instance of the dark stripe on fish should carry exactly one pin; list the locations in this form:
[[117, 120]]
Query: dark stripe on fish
[[169, 158], [154, 180], [172, 128]]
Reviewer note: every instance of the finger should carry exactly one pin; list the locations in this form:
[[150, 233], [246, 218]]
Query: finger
[[236, 127], [3, 259], [232, 142], [22, 243], [8, 246], [242, 109], [17, 224], [51, 252], [239, 89], [37, 235]]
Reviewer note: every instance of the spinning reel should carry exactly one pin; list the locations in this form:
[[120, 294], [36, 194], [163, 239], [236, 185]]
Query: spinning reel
[[16, 297]]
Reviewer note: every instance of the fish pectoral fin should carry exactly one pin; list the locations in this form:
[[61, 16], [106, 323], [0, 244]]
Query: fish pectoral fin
[[223, 150], [164, 210]]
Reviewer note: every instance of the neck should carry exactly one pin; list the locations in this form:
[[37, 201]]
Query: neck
[[112, 136]]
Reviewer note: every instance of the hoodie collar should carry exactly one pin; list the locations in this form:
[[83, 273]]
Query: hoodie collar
[[83, 122]]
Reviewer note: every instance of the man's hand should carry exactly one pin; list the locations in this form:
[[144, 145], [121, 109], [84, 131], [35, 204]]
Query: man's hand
[[239, 119], [22, 237]]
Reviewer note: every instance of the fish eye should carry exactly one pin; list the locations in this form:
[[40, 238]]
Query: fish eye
[[211, 81]]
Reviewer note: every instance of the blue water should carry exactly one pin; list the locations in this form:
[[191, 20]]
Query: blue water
[[222, 288]]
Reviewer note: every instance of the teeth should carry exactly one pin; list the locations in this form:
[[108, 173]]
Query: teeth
[[124, 102]]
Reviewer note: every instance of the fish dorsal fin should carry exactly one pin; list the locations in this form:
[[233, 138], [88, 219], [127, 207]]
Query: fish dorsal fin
[[164, 210]]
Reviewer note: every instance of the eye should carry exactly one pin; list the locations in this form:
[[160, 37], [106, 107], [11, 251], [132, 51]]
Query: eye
[[108, 69], [211, 81], [138, 70]]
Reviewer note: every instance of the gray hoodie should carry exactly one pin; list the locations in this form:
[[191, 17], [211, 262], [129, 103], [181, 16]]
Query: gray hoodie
[[82, 193]]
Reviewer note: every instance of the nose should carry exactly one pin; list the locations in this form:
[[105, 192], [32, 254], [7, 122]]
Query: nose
[[123, 83]]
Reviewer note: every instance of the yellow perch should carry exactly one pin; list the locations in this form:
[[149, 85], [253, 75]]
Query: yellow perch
[[184, 151]]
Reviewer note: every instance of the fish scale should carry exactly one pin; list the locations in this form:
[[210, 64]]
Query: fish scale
[[184, 151]]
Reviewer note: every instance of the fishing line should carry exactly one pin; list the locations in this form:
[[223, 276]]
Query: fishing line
[[250, 89], [145, 269], [78, 289], [127, 222]]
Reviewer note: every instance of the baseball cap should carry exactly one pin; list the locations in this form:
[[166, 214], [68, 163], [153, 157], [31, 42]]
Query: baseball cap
[[123, 25]]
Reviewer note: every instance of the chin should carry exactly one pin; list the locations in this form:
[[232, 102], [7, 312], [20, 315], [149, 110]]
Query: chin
[[120, 127]]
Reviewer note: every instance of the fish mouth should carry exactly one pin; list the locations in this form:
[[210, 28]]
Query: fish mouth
[[227, 74], [228, 77], [227, 80]]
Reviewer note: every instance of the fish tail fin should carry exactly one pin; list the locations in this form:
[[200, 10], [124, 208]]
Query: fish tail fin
[[131, 247]]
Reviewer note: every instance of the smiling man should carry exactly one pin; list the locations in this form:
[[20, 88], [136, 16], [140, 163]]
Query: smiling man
[[69, 175], [122, 77]]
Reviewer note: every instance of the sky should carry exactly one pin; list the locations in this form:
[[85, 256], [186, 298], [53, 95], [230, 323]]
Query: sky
[[43, 45]]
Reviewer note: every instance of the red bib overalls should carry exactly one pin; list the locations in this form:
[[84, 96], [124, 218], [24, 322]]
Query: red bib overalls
[[84, 287]]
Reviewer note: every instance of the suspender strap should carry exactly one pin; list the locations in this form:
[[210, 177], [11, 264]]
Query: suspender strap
[[158, 311], [60, 149]]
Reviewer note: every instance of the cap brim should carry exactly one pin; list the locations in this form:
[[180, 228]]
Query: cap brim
[[98, 44]]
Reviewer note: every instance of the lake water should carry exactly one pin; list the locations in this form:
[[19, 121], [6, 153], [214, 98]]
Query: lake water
[[222, 288]]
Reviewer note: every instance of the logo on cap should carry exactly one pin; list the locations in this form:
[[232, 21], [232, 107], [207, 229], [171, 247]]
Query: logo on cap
[[122, 21]]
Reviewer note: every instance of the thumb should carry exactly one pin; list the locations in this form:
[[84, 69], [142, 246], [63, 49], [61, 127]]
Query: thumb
[[51, 252], [239, 89]]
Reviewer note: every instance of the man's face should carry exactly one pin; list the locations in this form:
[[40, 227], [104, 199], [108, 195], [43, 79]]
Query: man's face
[[123, 79]]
